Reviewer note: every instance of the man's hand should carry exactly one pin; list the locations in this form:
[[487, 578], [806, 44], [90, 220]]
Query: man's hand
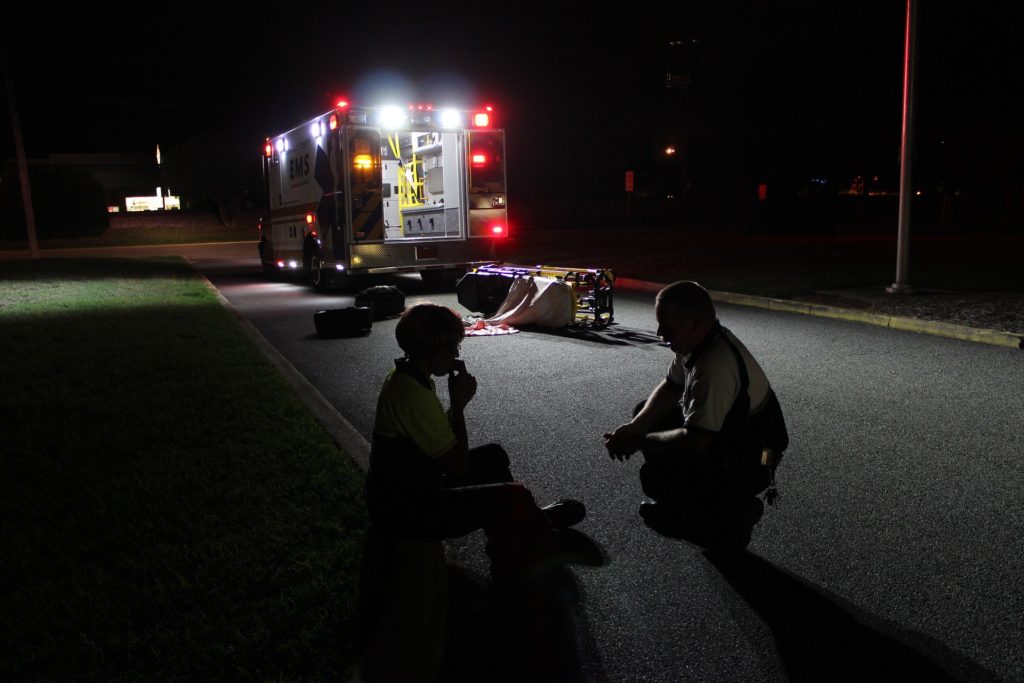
[[461, 385], [626, 440]]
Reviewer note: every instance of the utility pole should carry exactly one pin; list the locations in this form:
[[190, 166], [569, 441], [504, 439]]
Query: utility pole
[[19, 146], [902, 283]]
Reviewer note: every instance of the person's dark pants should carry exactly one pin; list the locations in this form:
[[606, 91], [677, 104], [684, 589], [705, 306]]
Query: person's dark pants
[[486, 497], [483, 497], [697, 484]]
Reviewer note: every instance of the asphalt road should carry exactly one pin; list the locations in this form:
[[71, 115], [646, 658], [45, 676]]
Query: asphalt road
[[896, 549]]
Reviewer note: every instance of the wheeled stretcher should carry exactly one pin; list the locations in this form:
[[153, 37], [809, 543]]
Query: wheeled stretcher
[[483, 289]]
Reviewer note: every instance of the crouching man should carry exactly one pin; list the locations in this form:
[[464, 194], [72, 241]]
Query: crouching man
[[711, 432]]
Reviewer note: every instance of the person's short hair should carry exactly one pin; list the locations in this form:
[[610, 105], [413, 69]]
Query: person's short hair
[[427, 327], [690, 299]]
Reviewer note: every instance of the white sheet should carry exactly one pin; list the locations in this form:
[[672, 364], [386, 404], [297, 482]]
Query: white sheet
[[534, 300]]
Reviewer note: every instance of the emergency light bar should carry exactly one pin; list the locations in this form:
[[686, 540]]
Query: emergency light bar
[[419, 116], [414, 117]]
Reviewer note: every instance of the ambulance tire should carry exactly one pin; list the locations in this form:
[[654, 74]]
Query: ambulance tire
[[318, 275]]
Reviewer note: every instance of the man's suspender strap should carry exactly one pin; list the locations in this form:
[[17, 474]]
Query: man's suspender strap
[[744, 377], [769, 457], [740, 410]]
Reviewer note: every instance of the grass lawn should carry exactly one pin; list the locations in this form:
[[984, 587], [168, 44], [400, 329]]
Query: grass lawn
[[170, 227], [171, 510]]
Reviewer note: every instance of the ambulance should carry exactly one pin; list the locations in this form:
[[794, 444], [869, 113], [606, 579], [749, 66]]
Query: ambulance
[[384, 189]]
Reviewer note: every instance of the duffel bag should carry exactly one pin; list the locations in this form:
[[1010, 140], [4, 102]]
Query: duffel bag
[[383, 301], [343, 322]]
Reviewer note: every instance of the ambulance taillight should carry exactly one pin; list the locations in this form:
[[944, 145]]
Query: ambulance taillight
[[484, 117]]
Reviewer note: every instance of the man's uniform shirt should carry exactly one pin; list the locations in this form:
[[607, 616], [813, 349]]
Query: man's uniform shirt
[[709, 378]]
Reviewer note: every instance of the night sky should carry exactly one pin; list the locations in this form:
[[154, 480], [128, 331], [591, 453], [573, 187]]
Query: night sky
[[810, 88]]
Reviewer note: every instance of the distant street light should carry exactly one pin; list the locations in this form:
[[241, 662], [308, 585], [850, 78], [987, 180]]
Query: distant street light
[[670, 150]]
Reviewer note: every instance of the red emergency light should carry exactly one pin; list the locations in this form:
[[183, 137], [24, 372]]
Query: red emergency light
[[498, 230], [479, 160], [481, 119], [268, 149], [309, 219], [341, 104]]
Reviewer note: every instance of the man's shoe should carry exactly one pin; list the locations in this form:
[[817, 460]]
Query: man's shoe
[[654, 511], [674, 521], [565, 513], [659, 515]]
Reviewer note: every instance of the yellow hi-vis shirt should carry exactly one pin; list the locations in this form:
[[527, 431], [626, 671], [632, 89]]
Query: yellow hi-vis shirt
[[411, 409]]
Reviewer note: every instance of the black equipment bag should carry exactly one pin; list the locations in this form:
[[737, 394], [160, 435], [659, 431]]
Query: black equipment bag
[[383, 301], [483, 292], [343, 322]]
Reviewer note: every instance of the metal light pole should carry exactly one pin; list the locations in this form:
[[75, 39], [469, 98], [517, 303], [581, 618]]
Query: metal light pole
[[902, 283]]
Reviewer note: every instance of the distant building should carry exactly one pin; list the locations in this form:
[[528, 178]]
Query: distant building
[[125, 177]]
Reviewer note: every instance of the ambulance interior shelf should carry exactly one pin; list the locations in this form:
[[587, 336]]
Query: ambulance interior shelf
[[416, 163], [484, 289]]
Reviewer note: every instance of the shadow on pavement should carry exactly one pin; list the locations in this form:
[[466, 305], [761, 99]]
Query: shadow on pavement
[[614, 334], [821, 638], [535, 632]]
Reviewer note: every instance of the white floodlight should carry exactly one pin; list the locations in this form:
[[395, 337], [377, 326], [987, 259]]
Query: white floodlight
[[451, 119], [392, 117]]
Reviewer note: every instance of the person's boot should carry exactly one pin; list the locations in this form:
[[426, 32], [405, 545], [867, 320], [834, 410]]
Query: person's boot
[[565, 513]]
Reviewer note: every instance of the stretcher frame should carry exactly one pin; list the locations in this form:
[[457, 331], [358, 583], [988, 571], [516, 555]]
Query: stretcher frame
[[592, 300]]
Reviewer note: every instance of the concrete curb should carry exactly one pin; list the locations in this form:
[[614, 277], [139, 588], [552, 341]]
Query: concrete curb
[[942, 329], [340, 429]]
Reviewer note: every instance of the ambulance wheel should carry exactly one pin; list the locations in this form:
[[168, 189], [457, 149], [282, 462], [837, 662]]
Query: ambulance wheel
[[318, 276]]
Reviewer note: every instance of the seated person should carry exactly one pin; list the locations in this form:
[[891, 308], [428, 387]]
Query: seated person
[[426, 483]]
